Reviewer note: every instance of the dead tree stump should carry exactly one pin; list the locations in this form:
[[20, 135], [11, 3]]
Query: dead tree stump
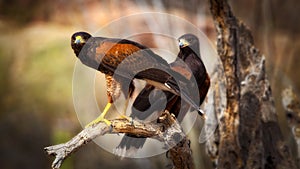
[[249, 134]]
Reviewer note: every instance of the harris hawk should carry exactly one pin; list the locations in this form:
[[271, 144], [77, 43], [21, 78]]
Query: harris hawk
[[123, 60], [187, 63]]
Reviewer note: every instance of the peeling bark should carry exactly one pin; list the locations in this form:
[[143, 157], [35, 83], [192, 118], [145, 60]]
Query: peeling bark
[[291, 105], [249, 133], [167, 131]]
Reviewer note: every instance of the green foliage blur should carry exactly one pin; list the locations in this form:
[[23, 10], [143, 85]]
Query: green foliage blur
[[36, 91]]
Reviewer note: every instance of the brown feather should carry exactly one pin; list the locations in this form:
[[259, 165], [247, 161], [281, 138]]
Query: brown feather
[[113, 88]]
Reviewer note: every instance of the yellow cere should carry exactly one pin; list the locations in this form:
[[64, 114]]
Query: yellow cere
[[79, 39], [183, 42]]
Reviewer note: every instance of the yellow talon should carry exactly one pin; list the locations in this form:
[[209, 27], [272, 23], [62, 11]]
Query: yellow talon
[[101, 118]]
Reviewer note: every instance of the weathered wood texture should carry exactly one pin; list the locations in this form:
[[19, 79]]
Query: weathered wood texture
[[291, 105], [167, 131], [249, 134], [181, 155]]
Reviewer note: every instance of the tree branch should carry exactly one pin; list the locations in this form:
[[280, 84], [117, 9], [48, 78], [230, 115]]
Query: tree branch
[[167, 130], [181, 155]]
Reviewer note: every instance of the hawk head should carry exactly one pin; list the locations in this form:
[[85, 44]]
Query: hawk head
[[78, 40], [189, 41]]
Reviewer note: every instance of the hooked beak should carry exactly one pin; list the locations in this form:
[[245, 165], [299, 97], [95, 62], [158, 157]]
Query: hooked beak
[[78, 40], [183, 43]]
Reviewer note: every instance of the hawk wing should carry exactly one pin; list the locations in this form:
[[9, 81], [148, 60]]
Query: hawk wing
[[127, 60]]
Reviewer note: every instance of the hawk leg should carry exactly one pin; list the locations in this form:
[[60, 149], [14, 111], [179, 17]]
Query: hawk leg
[[101, 118]]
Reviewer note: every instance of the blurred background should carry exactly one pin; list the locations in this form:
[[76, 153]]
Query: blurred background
[[37, 64]]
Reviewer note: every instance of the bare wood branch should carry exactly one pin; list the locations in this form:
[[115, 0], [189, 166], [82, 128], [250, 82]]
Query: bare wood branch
[[291, 104], [181, 155], [167, 131], [250, 136]]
